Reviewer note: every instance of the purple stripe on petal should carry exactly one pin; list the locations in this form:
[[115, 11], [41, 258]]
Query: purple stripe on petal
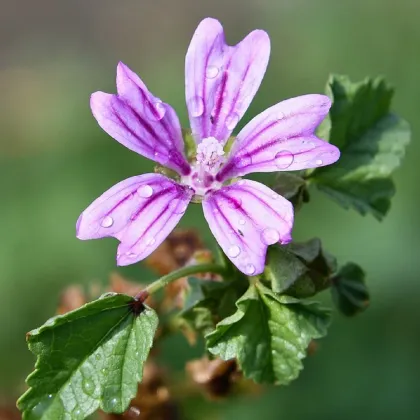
[[282, 138], [245, 218], [139, 211], [141, 122], [221, 80]]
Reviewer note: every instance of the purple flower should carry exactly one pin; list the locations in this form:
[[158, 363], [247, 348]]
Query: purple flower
[[220, 82]]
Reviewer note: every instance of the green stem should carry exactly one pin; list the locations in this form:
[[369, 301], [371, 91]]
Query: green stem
[[183, 272]]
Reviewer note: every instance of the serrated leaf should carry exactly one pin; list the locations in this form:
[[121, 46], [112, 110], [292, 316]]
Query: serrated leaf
[[299, 269], [268, 334], [372, 141], [349, 290], [88, 358]]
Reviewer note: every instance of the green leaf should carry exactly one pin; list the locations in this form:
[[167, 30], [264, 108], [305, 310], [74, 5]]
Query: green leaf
[[268, 334], [293, 187], [88, 358], [207, 302], [299, 269], [349, 290], [372, 141]]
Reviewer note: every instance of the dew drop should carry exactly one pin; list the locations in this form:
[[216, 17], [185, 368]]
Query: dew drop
[[232, 120], [270, 236], [88, 386], [318, 162], [243, 161], [145, 191], [131, 254], [241, 222], [107, 222], [283, 159], [212, 72], [234, 251], [280, 115], [150, 241], [196, 106], [98, 357], [77, 412], [249, 269], [113, 402], [274, 196], [155, 110]]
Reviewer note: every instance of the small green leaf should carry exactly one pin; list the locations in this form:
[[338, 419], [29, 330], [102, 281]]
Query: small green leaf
[[372, 141], [300, 269], [268, 334], [349, 290], [283, 268], [88, 358], [293, 187], [207, 302]]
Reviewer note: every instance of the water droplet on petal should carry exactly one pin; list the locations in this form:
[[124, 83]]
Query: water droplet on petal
[[155, 110], [274, 196], [131, 254], [107, 222], [318, 162], [150, 241], [196, 106], [243, 161], [280, 115], [249, 269], [283, 159], [232, 120], [241, 182], [234, 251], [241, 222], [212, 72], [145, 191], [270, 236]]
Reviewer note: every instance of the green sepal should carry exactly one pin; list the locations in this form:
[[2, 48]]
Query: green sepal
[[89, 358]]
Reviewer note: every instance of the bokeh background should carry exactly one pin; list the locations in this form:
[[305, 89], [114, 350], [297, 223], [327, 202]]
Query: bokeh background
[[54, 160]]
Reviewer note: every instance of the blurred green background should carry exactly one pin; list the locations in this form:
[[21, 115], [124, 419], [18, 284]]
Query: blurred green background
[[54, 160]]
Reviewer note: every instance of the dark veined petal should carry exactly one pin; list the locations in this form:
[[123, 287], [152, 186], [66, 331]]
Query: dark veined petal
[[140, 121], [282, 139], [245, 218], [221, 80], [140, 211]]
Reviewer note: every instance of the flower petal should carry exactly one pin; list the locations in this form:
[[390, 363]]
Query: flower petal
[[140, 211], [282, 138], [221, 80], [246, 217], [140, 121]]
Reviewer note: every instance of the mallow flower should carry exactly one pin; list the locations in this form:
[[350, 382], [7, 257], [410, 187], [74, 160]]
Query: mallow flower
[[245, 216]]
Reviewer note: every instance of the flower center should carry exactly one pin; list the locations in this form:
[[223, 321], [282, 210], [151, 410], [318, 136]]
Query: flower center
[[209, 158], [209, 154]]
